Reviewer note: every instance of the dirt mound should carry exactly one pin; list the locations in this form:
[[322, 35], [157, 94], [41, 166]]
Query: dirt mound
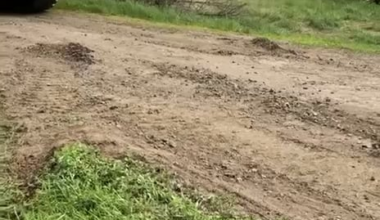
[[270, 46], [265, 43], [72, 52]]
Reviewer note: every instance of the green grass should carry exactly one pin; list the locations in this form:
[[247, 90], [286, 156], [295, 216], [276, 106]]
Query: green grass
[[81, 184], [5, 197], [7, 192], [351, 24]]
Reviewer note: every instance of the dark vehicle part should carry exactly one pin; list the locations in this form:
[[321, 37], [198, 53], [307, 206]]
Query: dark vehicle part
[[37, 5], [28, 6]]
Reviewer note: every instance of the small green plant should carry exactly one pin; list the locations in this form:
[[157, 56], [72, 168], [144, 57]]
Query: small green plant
[[81, 184]]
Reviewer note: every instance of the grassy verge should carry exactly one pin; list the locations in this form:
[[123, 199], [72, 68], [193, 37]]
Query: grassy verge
[[351, 24], [81, 184]]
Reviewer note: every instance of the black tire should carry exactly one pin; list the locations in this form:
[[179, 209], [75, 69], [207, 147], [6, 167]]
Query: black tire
[[37, 6]]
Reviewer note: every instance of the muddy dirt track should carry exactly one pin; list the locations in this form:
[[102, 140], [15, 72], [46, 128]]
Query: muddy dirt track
[[289, 131]]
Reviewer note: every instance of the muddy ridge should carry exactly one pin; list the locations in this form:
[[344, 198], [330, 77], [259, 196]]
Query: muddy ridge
[[321, 112]]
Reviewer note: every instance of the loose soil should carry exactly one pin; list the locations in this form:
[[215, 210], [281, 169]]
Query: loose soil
[[270, 46], [292, 134], [71, 52]]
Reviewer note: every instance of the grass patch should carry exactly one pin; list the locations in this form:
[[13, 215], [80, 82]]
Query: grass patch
[[351, 24], [8, 194], [81, 184]]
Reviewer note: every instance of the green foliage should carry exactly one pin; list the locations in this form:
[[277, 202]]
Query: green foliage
[[81, 184], [7, 192], [351, 24]]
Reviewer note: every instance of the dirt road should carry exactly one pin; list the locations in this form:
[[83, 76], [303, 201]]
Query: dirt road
[[289, 131]]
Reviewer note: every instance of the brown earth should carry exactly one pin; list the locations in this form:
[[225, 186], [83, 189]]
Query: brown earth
[[291, 133]]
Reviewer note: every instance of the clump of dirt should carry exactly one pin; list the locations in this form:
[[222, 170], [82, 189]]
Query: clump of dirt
[[72, 52], [265, 43], [225, 52], [270, 46]]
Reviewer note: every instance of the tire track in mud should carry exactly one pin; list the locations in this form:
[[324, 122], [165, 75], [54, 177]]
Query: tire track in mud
[[221, 168], [276, 103], [238, 174], [260, 100], [213, 85]]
